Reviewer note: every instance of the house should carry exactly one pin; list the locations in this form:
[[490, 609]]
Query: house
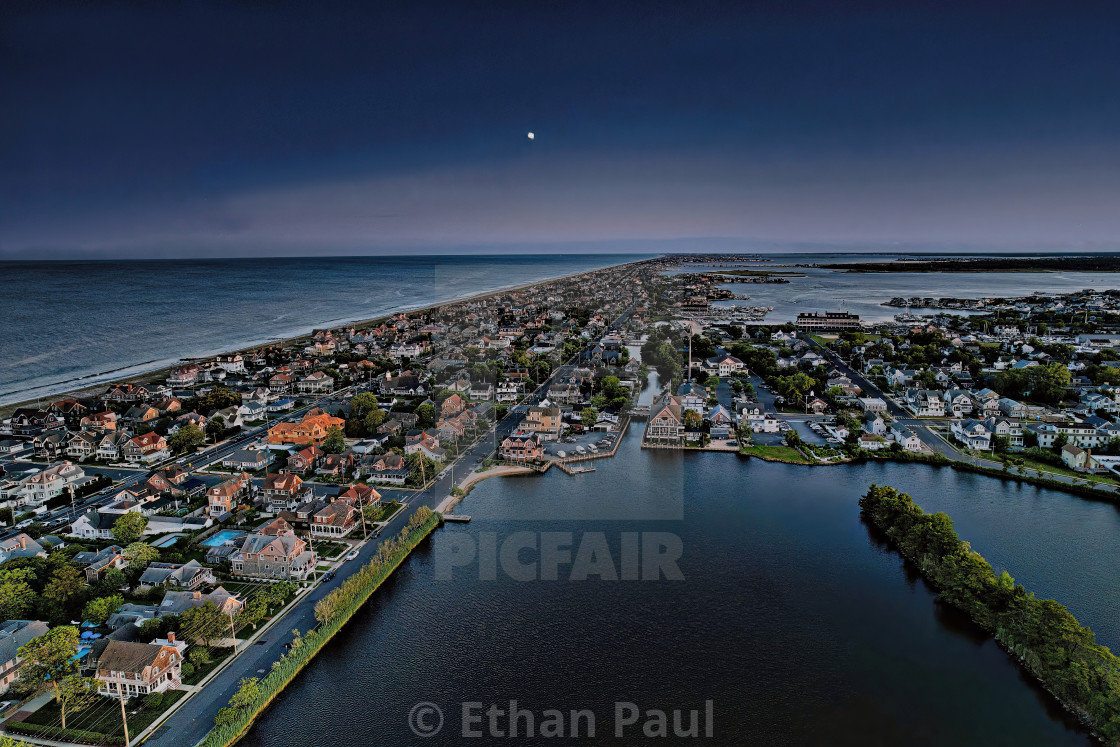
[[958, 402], [521, 448], [283, 490], [311, 430], [190, 575], [277, 556], [692, 396], [336, 519], [906, 437], [51, 482], [973, 433], [815, 405], [97, 563], [874, 424], [452, 406], [94, 524], [249, 460], [146, 448], [926, 403], [387, 468], [305, 459], [724, 365], [82, 446], [134, 669], [178, 602], [508, 391], [666, 423], [482, 391], [225, 495], [544, 420], [20, 546], [13, 635], [1075, 457], [1011, 408], [316, 383], [872, 442]]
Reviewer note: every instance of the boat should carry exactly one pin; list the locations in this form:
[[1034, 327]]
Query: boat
[[562, 454], [581, 450]]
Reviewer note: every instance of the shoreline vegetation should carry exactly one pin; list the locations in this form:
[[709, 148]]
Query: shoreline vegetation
[[140, 377], [332, 613], [1045, 638], [1098, 263]]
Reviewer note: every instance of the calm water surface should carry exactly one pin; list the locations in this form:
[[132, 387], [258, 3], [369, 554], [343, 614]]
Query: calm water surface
[[800, 624]]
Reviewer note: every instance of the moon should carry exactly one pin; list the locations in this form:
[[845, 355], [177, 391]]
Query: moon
[[532, 136]]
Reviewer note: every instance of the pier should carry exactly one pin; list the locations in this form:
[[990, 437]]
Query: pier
[[459, 518]]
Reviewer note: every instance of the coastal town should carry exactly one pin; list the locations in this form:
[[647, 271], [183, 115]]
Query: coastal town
[[158, 528]]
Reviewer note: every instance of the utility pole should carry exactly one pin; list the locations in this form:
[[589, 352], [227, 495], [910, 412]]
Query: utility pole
[[232, 630], [124, 717]]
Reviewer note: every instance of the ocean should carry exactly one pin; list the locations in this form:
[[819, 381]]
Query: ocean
[[72, 324]]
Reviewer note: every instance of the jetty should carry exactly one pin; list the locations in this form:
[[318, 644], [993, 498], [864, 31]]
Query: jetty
[[459, 518]]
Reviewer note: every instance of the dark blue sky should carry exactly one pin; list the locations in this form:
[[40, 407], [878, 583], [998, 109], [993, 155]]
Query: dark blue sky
[[275, 127]]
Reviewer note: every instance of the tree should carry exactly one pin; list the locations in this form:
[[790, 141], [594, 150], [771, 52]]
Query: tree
[[248, 694], [215, 428], [427, 416], [50, 660], [62, 594], [17, 598], [363, 403], [140, 555], [97, 611], [335, 443], [692, 419], [188, 438], [129, 527], [1060, 440], [205, 623], [589, 416]]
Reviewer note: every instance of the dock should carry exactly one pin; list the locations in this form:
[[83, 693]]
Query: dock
[[461, 518]]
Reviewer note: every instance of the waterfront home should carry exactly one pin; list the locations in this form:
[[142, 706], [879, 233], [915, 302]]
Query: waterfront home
[[189, 575], [276, 556], [666, 424], [906, 437], [692, 396], [872, 442], [972, 433], [544, 420], [134, 669], [145, 448], [521, 448], [13, 635], [225, 495], [1082, 435], [1075, 457]]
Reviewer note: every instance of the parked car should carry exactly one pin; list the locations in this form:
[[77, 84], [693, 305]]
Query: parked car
[[353, 555]]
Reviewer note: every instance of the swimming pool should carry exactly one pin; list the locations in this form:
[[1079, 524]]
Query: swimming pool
[[222, 537]]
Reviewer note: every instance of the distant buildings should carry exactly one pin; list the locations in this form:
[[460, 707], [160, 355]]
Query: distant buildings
[[828, 321]]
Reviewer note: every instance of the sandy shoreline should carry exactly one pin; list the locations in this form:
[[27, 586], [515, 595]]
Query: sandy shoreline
[[162, 371]]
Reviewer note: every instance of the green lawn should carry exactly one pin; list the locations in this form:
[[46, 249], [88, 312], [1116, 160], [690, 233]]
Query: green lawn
[[782, 453], [217, 656], [1029, 463], [100, 719], [383, 511]]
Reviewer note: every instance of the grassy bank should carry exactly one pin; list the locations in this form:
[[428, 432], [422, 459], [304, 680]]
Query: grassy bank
[[333, 612], [786, 454], [1042, 634]]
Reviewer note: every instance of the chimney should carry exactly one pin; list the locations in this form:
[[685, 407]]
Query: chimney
[[171, 636]]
